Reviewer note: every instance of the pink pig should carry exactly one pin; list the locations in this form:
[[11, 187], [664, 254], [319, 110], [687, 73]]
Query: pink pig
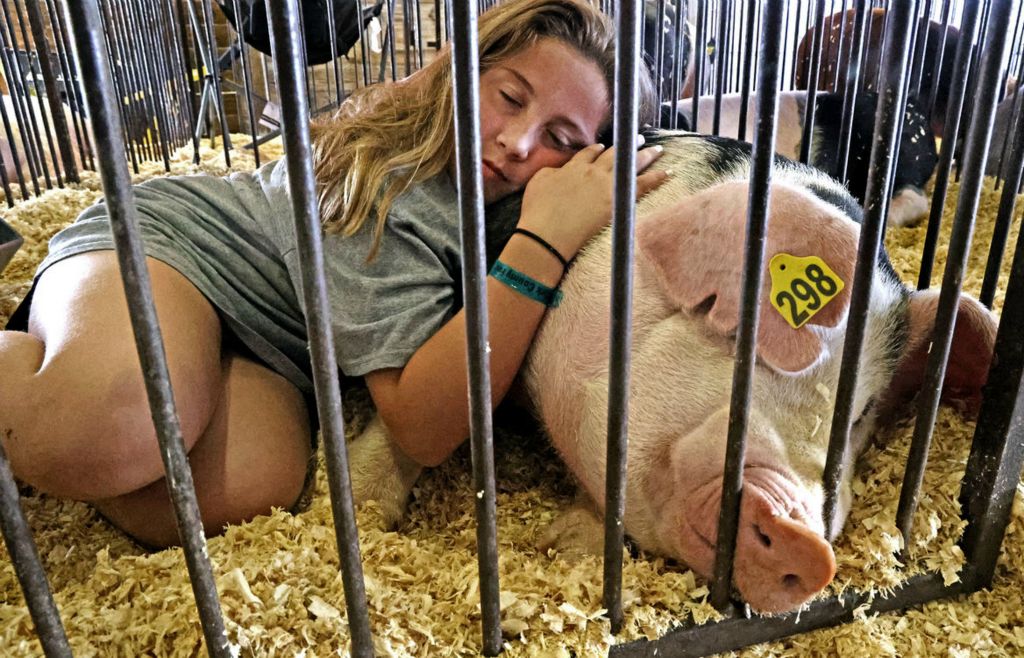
[[689, 250], [690, 235]]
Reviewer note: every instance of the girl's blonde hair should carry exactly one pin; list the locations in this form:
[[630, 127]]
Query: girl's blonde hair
[[385, 138]]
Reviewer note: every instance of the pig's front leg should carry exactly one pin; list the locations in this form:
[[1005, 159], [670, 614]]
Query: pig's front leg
[[380, 471], [575, 533]]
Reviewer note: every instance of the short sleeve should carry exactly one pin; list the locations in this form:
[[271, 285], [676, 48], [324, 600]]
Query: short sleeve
[[384, 310]]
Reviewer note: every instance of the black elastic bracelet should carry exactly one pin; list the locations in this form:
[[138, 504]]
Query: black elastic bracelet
[[544, 243]]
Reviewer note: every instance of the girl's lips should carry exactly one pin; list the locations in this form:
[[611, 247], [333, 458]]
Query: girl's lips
[[494, 170]]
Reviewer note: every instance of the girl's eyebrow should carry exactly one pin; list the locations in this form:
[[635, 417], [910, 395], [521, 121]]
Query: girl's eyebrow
[[561, 119]]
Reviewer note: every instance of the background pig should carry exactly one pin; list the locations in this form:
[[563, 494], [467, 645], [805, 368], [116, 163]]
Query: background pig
[[915, 163], [689, 251]]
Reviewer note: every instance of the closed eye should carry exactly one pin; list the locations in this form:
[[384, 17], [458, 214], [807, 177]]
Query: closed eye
[[510, 100]]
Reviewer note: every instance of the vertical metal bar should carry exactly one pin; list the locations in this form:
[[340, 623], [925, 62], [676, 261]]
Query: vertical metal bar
[[1017, 96], [285, 42], [720, 66], [332, 30], [940, 54], [84, 18], [659, 49], [28, 568], [678, 70], [920, 50], [865, 58], [863, 10], [748, 57], [888, 121], [13, 73], [700, 54], [959, 244], [627, 55], [954, 107], [38, 134], [465, 61], [153, 99], [181, 28], [247, 80], [753, 264], [842, 42], [70, 85], [9, 133], [812, 82], [60, 125], [785, 42], [968, 114], [121, 65], [1001, 229], [214, 78], [795, 52], [997, 451], [390, 35], [131, 147]]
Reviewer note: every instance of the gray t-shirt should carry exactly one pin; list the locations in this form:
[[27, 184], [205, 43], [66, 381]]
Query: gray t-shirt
[[234, 238]]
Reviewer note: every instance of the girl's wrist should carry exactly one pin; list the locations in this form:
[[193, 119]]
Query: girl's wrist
[[533, 259]]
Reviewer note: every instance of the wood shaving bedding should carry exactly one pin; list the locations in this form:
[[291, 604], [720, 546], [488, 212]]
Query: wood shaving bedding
[[279, 580]]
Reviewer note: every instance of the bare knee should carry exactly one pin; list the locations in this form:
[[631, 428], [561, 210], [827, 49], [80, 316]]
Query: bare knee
[[253, 457]]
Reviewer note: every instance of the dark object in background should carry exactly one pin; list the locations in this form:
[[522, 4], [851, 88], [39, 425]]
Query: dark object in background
[[833, 72], [673, 51], [252, 24], [9, 244]]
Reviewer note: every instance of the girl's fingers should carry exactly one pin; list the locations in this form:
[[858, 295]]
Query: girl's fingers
[[649, 181], [590, 153], [647, 156]]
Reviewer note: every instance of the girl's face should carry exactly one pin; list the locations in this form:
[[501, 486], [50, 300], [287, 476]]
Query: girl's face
[[537, 109]]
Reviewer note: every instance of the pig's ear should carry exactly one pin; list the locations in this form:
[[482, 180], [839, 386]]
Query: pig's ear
[[696, 250], [970, 354]]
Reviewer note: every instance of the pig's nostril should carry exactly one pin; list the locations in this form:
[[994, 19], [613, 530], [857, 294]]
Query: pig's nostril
[[766, 541], [790, 580]]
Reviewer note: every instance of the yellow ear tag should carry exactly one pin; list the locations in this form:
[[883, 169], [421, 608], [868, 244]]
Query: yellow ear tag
[[801, 286]]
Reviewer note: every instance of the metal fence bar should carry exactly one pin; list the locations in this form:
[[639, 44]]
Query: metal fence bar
[[997, 452], [700, 54], [60, 125], [888, 121], [466, 95], [627, 56], [812, 80], [70, 86], [956, 260], [1004, 218], [863, 9], [247, 76], [84, 17], [954, 107], [723, 18], [748, 57], [28, 568], [287, 39], [15, 80], [746, 334], [940, 55]]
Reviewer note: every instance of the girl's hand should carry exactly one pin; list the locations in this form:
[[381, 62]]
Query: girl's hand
[[570, 204]]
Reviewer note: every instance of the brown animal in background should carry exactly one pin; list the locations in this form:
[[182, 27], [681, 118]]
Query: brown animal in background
[[836, 54]]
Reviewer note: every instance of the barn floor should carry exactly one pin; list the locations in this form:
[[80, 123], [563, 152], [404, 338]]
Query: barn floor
[[281, 590]]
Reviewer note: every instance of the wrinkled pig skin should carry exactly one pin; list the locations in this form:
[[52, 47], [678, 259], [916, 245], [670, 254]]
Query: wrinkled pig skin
[[916, 159], [682, 368]]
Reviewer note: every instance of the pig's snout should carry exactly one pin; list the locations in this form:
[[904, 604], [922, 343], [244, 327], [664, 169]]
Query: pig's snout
[[781, 560]]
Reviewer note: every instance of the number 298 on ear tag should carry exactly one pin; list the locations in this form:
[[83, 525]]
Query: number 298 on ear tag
[[801, 286]]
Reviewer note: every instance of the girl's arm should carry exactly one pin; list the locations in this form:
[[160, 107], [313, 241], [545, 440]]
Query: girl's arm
[[425, 404]]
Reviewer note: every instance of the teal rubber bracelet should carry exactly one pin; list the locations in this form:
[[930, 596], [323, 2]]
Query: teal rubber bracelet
[[526, 285]]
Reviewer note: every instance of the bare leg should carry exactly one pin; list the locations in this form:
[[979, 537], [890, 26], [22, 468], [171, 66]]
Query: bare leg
[[252, 457], [74, 417], [75, 421]]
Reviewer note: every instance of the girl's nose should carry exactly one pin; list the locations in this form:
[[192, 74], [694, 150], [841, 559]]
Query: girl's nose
[[517, 140]]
